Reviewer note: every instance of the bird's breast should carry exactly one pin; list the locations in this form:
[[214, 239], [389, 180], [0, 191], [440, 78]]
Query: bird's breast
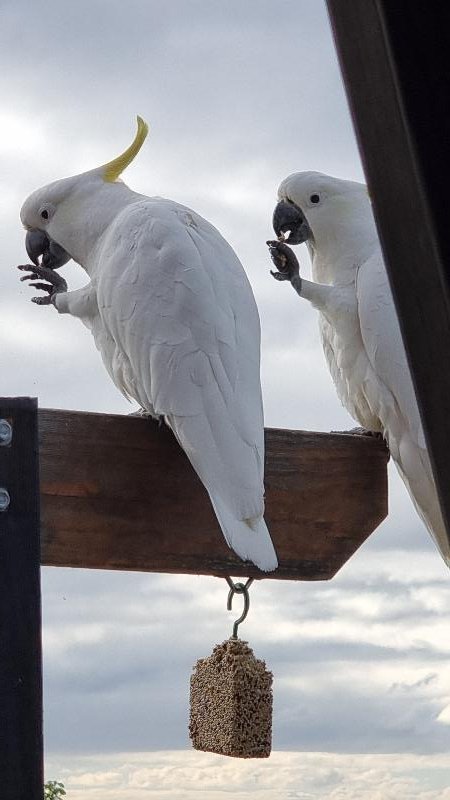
[[350, 369]]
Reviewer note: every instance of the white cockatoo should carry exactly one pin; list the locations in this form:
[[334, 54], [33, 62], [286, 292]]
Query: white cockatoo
[[358, 321], [174, 317]]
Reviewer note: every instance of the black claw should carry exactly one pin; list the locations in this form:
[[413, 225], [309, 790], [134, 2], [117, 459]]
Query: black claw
[[44, 287], [279, 276], [284, 260], [55, 283], [25, 267]]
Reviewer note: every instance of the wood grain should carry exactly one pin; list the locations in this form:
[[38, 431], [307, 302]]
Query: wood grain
[[21, 743], [117, 492]]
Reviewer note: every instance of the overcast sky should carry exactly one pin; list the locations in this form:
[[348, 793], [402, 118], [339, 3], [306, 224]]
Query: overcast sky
[[237, 95]]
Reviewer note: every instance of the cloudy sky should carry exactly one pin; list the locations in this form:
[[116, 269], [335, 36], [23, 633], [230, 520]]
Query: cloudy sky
[[238, 95]]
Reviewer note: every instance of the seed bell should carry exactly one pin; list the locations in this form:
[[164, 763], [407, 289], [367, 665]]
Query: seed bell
[[231, 696]]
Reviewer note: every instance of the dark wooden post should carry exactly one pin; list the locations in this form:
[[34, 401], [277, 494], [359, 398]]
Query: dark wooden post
[[21, 743], [395, 60]]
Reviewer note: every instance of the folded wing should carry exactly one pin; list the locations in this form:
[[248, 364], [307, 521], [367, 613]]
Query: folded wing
[[180, 311]]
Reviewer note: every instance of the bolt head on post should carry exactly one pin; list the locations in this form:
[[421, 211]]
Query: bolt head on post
[[4, 499], [5, 433]]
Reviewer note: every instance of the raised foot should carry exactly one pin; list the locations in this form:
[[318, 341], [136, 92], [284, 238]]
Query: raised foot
[[56, 284], [285, 260]]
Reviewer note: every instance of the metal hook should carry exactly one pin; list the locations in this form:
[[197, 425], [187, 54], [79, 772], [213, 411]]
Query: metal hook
[[239, 588]]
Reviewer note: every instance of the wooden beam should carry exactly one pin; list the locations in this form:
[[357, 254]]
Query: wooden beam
[[118, 493], [21, 744], [395, 59]]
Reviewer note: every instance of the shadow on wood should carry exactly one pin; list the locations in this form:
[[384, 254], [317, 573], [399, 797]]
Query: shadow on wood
[[117, 492]]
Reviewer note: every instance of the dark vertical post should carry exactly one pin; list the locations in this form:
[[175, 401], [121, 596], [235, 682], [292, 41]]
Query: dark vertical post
[[395, 60], [21, 743]]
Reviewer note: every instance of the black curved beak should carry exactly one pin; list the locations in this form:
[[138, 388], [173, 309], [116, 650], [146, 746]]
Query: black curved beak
[[289, 217], [38, 244]]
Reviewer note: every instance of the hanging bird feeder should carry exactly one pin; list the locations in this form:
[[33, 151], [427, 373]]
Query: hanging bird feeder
[[231, 695]]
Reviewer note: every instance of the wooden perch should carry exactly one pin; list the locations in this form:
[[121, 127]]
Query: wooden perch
[[21, 741], [117, 492]]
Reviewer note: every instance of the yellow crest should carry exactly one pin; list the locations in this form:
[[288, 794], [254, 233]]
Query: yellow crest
[[113, 169]]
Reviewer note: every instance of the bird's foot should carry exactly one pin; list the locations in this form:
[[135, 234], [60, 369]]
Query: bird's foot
[[141, 412], [285, 260], [362, 432], [56, 284]]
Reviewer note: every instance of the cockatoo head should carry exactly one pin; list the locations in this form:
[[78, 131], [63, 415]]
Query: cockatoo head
[[320, 210], [49, 215]]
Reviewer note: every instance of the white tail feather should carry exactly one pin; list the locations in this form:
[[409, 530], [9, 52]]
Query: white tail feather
[[250, 540]]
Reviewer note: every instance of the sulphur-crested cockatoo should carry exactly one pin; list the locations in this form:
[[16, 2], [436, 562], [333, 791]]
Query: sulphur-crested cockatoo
[[175, 320], [358, 321]]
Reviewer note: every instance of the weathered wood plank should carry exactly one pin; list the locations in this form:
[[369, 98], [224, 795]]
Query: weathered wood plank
[[395, 59], [21, 744], [118, 493]]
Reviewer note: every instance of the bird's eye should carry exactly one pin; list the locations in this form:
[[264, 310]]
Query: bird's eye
[[46, 211], [314, 198]]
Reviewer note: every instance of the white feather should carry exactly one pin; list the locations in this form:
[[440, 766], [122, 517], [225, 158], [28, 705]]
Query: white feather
[[174, 318], [360, 331]]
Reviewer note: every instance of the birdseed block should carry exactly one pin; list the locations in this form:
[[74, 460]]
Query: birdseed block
[[231, 702]]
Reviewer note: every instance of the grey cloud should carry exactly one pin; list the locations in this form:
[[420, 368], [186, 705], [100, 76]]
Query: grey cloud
[[195, 71], [136, 638], [286, 775], [368, 723]]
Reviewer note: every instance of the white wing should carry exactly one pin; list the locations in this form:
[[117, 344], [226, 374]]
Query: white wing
[[175, 300], [390, 393], [384, 347]]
